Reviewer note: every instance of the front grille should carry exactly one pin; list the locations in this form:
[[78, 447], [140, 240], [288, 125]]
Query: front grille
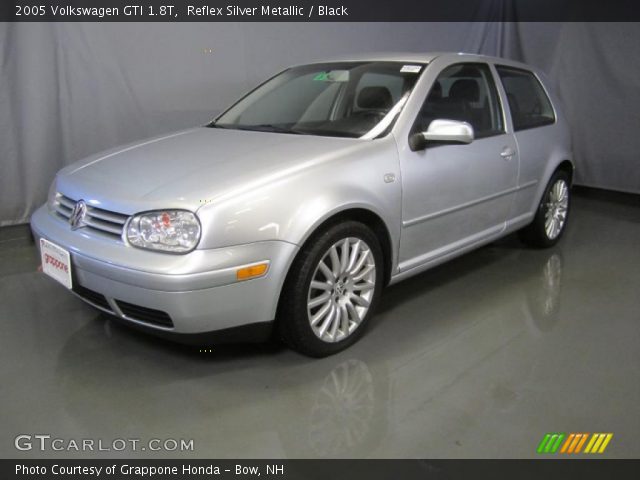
[[104, 221], [91, 296], [144, 314]]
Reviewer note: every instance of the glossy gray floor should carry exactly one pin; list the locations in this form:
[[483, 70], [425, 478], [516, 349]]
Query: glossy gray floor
[[478, 358]]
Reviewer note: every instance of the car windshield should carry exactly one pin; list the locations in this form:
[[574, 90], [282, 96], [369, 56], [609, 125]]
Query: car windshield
[[355, 99]]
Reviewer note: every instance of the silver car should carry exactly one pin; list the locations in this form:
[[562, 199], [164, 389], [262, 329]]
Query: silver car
[[291, 211]]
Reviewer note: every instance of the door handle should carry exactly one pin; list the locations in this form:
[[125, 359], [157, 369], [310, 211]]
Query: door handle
[[507, 153]]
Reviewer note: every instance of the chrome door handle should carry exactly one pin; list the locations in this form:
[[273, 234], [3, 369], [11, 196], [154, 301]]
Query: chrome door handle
[[507, 153]]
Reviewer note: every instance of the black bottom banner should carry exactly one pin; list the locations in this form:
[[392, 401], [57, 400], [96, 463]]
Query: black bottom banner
[[318, 469]]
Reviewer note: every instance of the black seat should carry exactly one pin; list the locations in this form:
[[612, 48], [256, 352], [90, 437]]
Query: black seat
[[435, 93], [439, 107], [375, 98], [468, 91], [445, 108]]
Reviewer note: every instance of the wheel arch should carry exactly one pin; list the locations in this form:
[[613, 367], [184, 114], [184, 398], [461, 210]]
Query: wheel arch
[[530, 234], [566, 166], [367, 217], [353, 213]]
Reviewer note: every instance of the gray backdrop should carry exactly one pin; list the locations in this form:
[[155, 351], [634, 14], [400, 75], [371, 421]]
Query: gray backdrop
[[71, 89]]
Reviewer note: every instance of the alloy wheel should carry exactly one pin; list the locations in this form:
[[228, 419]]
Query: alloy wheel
[[556, 209], [341, 289]]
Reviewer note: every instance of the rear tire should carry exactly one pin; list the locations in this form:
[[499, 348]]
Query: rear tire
[[552, 214], [332, 290]]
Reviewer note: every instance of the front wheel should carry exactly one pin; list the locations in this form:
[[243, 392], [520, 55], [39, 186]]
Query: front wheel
[[332, 290], [552, 214]]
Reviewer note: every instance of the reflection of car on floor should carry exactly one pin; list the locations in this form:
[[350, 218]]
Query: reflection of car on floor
[[355, 402], [298, 204]]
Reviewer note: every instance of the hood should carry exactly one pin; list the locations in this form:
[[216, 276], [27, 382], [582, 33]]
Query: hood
[[190, 168]]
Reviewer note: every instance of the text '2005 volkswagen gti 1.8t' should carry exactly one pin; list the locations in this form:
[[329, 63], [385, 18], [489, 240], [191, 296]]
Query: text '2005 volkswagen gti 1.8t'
[[291, 211]]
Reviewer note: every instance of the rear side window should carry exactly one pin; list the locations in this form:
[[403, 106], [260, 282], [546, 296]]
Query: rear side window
[[529, 104]]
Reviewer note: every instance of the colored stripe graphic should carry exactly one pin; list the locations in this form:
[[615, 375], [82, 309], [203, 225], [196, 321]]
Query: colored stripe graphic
[[550, 443], [574, 442], [565, 447], [598, 442], [543, 443], [556, 445], [581, 442]]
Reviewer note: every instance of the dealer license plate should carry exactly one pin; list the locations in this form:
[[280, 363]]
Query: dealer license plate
[[56, 262]]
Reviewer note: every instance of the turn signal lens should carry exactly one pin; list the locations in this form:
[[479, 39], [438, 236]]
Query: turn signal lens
[[252, 271]]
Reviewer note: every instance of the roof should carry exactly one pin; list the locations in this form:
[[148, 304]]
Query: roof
[[415, 57]]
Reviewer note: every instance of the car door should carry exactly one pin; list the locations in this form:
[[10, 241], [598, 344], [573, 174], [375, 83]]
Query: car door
[[456, 195]]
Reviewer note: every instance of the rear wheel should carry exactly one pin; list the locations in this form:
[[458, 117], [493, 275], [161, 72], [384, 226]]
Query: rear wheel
[[551, 217], [332, 290]]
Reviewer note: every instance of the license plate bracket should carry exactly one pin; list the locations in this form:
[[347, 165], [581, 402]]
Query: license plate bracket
[[56, 262]]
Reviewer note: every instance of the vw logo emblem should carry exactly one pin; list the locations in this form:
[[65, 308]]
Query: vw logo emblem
[[76, 220]]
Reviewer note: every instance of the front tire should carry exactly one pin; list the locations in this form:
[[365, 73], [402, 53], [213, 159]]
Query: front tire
[[552, 214], [332, 290]]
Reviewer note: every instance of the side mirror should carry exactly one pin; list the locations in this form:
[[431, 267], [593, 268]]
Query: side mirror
[[442, 132]]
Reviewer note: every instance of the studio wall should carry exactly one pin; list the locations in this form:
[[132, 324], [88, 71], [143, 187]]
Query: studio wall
[[71, 89]]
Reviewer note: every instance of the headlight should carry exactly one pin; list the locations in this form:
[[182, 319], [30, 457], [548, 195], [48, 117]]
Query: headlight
[[176, 231]]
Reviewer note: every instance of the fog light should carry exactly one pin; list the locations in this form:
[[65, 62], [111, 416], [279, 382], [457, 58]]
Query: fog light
[[252, 271]]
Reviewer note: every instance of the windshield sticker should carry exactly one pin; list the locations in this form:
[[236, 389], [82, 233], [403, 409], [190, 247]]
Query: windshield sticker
[[410, 69], [332, 76]]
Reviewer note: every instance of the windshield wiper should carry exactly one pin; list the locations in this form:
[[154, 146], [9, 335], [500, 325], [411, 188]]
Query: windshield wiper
[[329, 133], [263, 127], [219, 125], [268, 127]]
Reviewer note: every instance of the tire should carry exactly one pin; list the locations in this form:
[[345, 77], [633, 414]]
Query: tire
[[552, 214], [331, 314]]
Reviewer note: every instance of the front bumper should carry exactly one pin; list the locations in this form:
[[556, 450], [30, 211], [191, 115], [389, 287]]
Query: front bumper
[[198, 291]]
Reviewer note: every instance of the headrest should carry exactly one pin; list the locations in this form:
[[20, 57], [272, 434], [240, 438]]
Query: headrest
[[465, 89], [375, 97], [436, 91]]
